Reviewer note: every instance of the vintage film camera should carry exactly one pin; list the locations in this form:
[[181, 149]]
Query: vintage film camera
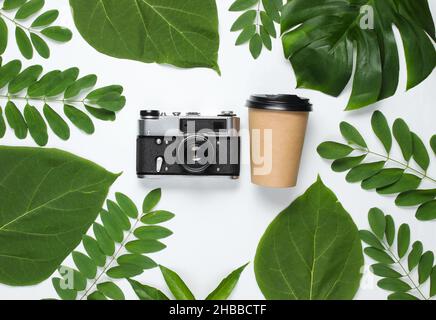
[[188, 145]]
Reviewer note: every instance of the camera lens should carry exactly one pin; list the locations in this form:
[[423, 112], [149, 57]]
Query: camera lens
[[195, 153]]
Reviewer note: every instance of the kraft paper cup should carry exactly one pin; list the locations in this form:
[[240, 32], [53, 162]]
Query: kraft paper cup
[[277, 131]]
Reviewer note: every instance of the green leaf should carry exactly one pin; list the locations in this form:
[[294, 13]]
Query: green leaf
[[226, 287], [81, 84], [402, 296], [176, 285], [40, 45], [377, 222], [16, 120], [378, 255], [415, 255], [241, 5], [382, 130], [79, 281], [370, 239], [246, 35], [390, 230], [144, 246], [433, 143], [180, 33], [433, 283], [256, 45], [124, 271], [383, 178], [35, 220], [101, 92], [385, 271], [119, 213], [65, 79], [151, 200], [101, 114], [111, 102], [407, 182], [138, 260], [425, 266], [57, 33], [79, 119], [93, 250], [157, 217], [285, 259], [29, 8], [127, 205], [56, 123], [36, 125], [344, 164], [403, 240], [41, 87], [268, 24], [427, 211], [152, 233], [246, 19], [96, 296], [104, 241], [111, 290], [110, 223], [146, 292], [420, 153], [352, 135], [333, 150], [45, 19], [9, 71], [266, 38], [24, 79], [327, 33], [404, 138], [24, 43], [2, 124], [415, 197], [272, 9], [63, 293], [395, 285], [85, 265], [13, 4], [3, 36]]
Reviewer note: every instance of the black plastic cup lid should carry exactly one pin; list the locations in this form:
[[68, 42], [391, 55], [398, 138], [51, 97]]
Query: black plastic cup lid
[[280, 102]]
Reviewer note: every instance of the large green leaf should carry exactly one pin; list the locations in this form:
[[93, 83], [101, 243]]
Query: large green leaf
[[321, 35], [311, 250], [48, 200], [181, 33]]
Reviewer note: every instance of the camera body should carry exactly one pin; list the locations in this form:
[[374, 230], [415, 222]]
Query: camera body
[[188, 145]]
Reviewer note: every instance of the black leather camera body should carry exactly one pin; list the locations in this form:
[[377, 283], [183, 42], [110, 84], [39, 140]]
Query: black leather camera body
[[188, 145]]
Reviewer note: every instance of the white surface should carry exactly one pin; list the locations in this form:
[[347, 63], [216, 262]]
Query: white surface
[[219, 222]]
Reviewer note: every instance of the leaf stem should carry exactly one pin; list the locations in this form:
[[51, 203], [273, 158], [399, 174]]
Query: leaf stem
[[113, 258], [406, 273], [405, 165], [41, 99], [16, 23]]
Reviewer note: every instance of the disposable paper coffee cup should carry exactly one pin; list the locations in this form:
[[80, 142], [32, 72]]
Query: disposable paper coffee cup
[[277, 131]]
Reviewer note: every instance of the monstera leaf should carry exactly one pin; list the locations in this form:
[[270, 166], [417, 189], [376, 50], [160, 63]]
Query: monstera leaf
[[48, 200], [181, 33], [321, 35]]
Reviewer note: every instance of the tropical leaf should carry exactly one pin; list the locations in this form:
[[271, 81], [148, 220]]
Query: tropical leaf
[[389, 176], [45, 91], [257, 23], [181, 33], [37, 242], [32, 27], [396, 276], [176, 285], [102, 251], [226, 287], [327, 33]]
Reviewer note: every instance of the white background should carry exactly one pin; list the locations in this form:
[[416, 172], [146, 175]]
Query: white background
[[219, 222]]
